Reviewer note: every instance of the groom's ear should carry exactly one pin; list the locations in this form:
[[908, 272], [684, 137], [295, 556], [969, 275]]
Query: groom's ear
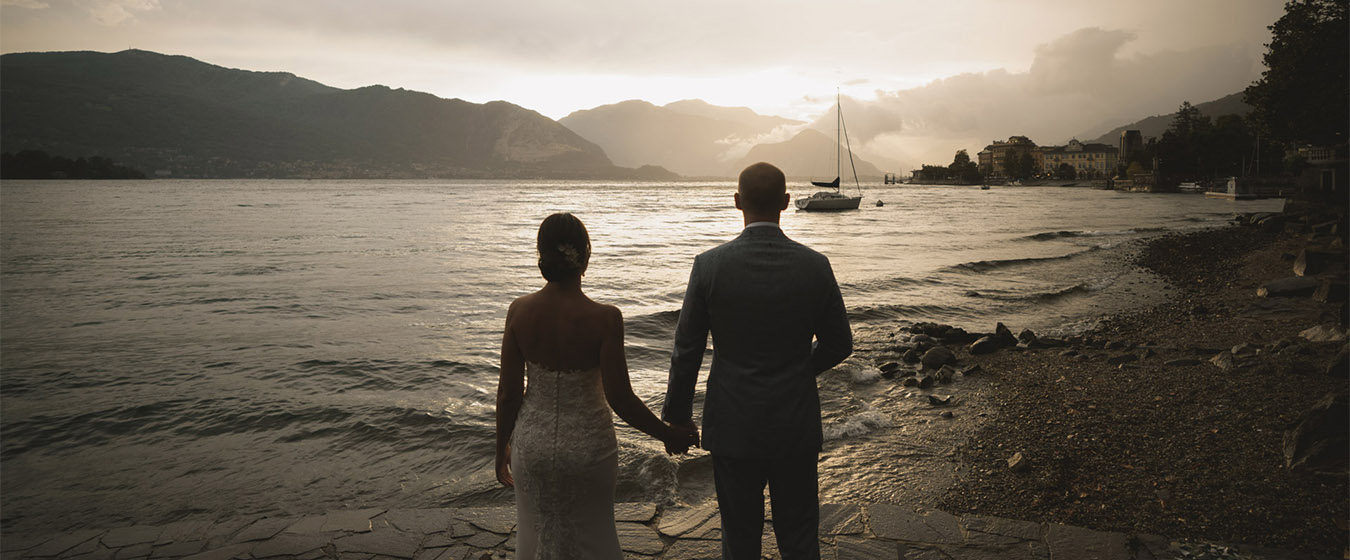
[[737, 196], [787, 199]]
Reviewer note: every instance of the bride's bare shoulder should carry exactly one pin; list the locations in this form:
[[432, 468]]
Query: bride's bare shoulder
[[608, 316], [521, 304]]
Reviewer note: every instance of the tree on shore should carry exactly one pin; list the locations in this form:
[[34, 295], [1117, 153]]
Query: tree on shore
[[1019, 166], [964, 169], [34, 164], [1066, 171], [932, 173], [1194, 147], [1028, 165], [1302, 96]]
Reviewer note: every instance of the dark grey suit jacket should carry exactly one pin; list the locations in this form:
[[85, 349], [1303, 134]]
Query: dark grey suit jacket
[[763, 297]]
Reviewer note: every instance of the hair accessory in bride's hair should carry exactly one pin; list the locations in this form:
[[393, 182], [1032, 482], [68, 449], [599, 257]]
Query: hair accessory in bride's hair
[[570, 253]]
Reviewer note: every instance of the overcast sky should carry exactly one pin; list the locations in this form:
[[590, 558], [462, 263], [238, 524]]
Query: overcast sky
[[924, 74]]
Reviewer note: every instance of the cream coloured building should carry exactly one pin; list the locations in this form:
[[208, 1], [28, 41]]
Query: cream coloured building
[[1089, 160]]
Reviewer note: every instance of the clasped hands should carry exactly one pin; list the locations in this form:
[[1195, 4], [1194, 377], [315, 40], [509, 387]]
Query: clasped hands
[[684, 436]]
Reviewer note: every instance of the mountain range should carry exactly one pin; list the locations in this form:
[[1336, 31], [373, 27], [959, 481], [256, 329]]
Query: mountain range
[[176, 116], [183, 117], [1155, 126]]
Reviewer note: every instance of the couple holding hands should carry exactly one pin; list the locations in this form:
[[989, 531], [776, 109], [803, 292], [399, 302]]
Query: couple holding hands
[[777, 320]]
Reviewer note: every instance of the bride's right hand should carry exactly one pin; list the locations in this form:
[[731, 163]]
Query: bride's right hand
[[504, 469]]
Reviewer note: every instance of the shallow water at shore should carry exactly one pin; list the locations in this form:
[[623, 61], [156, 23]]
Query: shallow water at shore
[[201, 348]]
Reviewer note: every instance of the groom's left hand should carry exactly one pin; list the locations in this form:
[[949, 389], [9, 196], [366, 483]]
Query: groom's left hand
[[681, 448]]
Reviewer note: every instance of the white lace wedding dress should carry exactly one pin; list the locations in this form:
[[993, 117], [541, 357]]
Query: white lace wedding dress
[[563, 458]]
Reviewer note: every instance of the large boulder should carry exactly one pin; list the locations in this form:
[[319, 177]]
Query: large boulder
[[1047, 342], [984, 345], [1256, 218], [923, 342], [1297, 286], [1224, 361], [946, 374], [888, 369], [1004, 336], [1317, 261], [1324, 333], [1319, 440], [937, 356], [930, 329], [958, 335], [1332, 290], [911, 356]]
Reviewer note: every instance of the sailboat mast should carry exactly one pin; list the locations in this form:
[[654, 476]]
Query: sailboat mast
[[838, 121]]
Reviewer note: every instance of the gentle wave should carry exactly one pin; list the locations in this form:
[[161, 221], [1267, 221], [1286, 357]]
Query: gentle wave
[[985, 266], [1066, 234], [856, 425], [884, 284], [652, 325], [1042, 297], [862, 314], [1048, 235], [55, 433]]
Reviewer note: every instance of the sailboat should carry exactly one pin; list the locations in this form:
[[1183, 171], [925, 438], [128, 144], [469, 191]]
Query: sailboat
[[834, 200]]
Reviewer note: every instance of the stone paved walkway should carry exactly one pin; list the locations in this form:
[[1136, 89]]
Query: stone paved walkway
[[646, 531]]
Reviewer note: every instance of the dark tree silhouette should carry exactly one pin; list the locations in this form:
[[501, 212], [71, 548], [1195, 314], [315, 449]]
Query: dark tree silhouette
[[1302, 96]]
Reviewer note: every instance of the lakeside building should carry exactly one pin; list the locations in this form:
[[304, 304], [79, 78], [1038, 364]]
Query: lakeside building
[[1327, 177], [1131, 141], [1088, 160], [993, 157]]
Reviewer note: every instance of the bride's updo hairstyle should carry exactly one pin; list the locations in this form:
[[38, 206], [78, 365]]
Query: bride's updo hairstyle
[[564, 247]]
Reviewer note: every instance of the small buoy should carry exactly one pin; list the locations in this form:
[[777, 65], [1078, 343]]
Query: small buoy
[[880, 203]]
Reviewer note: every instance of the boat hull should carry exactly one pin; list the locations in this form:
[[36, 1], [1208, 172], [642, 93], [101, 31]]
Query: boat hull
[[828, 204]]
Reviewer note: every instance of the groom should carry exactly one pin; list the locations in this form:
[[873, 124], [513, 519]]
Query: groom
[[763, 297]]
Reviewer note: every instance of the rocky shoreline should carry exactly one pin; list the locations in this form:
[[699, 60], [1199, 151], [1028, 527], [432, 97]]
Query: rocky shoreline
[[1217, 416]]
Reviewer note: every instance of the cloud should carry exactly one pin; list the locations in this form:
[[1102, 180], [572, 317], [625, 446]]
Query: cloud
[[30, 4], [737, 147], [114, 12], [1078, 85]]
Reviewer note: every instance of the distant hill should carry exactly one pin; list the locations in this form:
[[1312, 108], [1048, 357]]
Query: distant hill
[[689, 137], [1154, 126], [742, 115], [158, 112], [808, 155]]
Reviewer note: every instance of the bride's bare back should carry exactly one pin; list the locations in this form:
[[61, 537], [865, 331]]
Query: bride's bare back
[[562, 330]]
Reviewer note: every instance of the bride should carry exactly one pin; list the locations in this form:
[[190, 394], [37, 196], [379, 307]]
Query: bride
[[555, 442]]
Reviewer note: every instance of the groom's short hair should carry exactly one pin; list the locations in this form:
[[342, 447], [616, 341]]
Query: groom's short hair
[[762, 187]]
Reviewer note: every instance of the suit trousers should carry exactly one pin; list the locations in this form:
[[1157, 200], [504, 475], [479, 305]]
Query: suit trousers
[[793, 493]]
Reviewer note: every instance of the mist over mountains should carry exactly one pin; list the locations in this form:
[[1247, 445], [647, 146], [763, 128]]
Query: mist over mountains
[[184, 117], [689, 137], [694, 138]]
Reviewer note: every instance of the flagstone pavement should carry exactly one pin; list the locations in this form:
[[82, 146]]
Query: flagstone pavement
[[646, 532]]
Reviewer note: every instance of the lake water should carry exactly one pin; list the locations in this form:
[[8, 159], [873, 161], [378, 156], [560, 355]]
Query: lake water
[[203, 349]]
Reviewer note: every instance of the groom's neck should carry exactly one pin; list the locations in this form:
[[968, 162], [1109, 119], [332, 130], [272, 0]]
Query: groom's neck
[[752, 218]]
